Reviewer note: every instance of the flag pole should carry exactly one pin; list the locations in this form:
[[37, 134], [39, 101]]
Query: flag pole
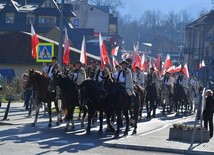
[[61, 34]]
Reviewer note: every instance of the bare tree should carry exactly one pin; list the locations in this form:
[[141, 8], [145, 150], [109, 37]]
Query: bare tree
[[113, 4]]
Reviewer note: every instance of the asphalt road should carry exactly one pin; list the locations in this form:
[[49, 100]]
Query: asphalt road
[[18, 138]]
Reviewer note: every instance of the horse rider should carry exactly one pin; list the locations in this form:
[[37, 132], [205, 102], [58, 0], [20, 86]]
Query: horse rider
[[91, 70], [138, 77], [193, 83], [52, 68], [101, 73], [181, 80], [152, 92], [168, 82], [115, 72], [125, 78], [79, 74]]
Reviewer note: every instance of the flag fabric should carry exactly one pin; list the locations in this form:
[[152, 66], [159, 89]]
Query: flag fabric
[[125, 56], [202, 64], [158, 63], [178, 69], [66, 48], [168, 62], [103, 53], [83, 57], [185, 70], [114, 51], [143, 62], [115, 62], [34, 42], [137, 62]]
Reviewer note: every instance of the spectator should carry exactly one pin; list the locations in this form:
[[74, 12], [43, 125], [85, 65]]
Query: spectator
[[27, 91], [208, 112]]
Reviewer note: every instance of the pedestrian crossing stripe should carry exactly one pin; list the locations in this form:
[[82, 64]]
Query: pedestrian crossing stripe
[[45, 51]]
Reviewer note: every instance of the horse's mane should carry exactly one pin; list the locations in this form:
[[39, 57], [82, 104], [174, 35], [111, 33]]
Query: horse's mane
[[38, 72]]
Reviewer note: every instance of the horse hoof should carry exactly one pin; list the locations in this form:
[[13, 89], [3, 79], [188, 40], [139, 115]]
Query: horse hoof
[[88, 132], [125, 133], [66, 129], [57, 123], [60, 120], [33, 124], [82, 126], [100, 132], [134, 132], [49, 125], [116, 136]]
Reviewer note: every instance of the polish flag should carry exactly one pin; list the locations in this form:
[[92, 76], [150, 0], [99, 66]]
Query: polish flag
[[115, 62], [168, 62], [34, 42], [66, 48], [143, 62], [178, 69], [171, 69], [103, 53], [124, 56], [137, 62], [185, 70], [83, 57], [114, 51], [202, 64]]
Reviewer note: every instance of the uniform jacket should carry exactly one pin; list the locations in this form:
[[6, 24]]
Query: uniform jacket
[[139, 78], [80, 75]]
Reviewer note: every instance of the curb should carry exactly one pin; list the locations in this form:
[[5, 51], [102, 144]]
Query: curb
[[156, 149]]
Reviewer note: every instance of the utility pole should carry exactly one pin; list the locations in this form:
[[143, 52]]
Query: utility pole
[[60, 53]]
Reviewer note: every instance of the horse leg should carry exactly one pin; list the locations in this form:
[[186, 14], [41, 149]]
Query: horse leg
[[148, 109], [83, 117], [49, 113], [109, 125], [37, 114], [116, 135], [127, 123], [135, 120], [90, 114], [80, 111], [72, 117], [153, 107], [101, 122], [59, 118]]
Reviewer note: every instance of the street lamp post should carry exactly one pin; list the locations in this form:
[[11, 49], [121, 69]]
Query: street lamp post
[[61, 33]]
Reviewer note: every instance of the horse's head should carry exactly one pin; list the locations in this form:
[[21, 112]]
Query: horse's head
[[105, 86], [54, 82], [32, 80]]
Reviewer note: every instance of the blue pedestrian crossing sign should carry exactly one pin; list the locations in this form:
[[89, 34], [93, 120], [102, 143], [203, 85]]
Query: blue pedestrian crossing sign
[[45, 51]]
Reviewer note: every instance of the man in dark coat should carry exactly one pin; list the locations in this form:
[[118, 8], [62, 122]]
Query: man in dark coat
[[208, 112]]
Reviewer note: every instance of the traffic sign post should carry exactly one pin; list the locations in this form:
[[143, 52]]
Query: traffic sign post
[[45, 51]]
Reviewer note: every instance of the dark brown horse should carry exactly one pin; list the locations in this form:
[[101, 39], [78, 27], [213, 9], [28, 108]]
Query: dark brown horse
[[41, 83]]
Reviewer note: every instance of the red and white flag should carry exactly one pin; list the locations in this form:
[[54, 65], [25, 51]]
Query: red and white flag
[[185, 70], [178, 69], [103, 53], [202, 64], [34, 42], [125, 56], [143, 62], [66, 48], [137, 62], [83, 57], [168, 62], [115, 62], [114, 51]]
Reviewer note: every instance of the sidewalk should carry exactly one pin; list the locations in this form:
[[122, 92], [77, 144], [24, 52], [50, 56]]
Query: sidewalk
[[158, 140]]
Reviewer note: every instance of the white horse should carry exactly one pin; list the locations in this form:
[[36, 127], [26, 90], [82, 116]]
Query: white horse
[[166, 99]]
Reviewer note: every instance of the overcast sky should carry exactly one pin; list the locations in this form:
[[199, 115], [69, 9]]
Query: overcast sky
[[136, 7]]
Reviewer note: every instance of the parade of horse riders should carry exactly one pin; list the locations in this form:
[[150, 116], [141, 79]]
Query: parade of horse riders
[[93, 89]]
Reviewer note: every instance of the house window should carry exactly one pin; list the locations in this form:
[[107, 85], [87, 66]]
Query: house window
[[76, 22], [49, 21], [10, 18], [76, 7], [30, 19], [91, 9], [47, 4]]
